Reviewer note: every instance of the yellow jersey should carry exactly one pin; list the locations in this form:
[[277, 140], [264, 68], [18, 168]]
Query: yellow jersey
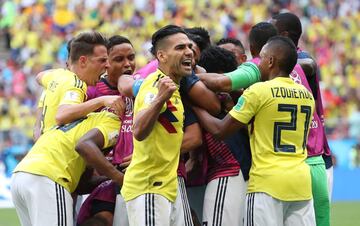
[[278, 113], [156, 158], [61, 87], [54, 155]]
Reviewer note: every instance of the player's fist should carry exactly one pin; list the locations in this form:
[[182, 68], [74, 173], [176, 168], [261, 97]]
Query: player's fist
[[166, 88], [109, 100], [118, 106]]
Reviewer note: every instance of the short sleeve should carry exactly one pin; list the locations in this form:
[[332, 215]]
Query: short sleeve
[[145, 97], [246, 107], [187, 83], [46, 78], [73, 95], [190, 117]]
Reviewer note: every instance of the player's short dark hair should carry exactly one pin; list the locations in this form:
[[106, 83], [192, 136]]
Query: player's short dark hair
[[291, 23], [234, 41], [68, 45], [117, 40], [260, 34], [285, 50], [217, 60], [200, 36], [84, 44], [161, 34]]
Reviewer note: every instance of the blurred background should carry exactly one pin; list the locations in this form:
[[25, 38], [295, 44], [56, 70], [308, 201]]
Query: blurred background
[[33, 37]]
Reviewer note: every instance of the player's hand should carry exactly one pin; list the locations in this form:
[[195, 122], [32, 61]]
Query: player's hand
[[166, 88], [118, 106], [126, 162], [108, 100]]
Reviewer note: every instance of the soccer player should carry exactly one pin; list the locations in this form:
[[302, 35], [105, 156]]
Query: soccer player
[[224, 176], [235, 46], [65, 95], [278, 113], [53, 168], [38, 127], [289, 25], [121, 62], [150, 183], [191, 86]]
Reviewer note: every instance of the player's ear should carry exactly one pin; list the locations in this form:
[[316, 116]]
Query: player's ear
[[284, 33], [271, 61], [161, 56], [82, 60]]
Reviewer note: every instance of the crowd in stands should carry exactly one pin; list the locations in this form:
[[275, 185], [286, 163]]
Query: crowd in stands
[[36, 33]]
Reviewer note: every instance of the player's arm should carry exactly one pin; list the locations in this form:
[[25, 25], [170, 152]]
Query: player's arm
[[203, 97], [39, 117], [219, 128], [244, 76], [41, 75], [192, 138], [309, 67], [128, 86], [125, 83], [70, 112], [89, 147], [192, 131], [89, 181], [145, 119], [37, 126]]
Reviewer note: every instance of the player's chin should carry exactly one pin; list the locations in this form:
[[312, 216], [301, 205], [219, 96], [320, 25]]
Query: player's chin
[[186, 71]]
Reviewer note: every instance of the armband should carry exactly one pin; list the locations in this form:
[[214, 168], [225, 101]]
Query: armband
[[244, 76]]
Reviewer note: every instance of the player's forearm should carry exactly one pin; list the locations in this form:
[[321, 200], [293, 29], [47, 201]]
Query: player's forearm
[[244, 76], [309, 67], [216, 82], [125, 84], [145, 120], [89, 181], [192, 138], [209, 123], [95, 158], [70, 112], [205, 98], [37, 126]]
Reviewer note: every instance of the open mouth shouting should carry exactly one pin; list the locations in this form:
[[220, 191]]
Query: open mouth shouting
[[187, 64], [128, 72]]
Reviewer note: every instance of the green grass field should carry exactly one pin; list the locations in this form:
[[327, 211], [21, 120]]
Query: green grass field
[[342, 214]]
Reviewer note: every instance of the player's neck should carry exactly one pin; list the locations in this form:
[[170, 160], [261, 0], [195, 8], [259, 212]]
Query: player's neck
[[167, 72], [76, 70], [280, 74], [111, 80]]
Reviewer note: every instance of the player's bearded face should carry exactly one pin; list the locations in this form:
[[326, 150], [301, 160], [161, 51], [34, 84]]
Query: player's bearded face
[[180, 55]]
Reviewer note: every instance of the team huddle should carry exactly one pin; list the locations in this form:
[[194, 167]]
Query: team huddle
[[251, 131]]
